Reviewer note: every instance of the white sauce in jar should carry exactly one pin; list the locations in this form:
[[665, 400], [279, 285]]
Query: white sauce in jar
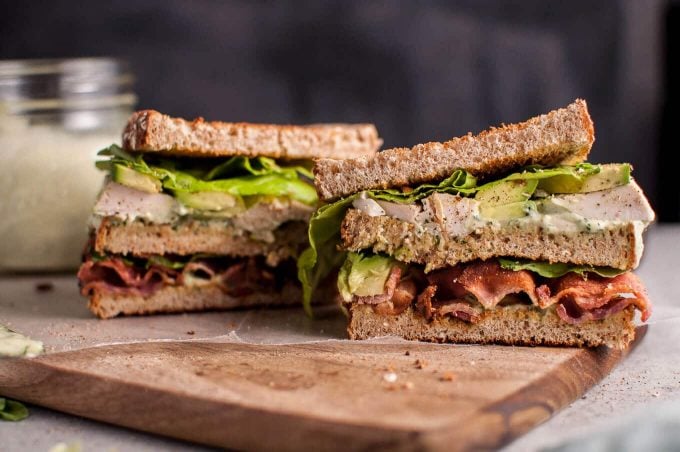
[[54, 117], [48, 183]]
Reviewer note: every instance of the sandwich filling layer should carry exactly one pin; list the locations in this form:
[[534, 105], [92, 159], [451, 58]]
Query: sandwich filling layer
[[253, 193], [236, 277], [240, 206], [576, 294], [215, 230], [558, 214], [455, 216], [126, 205]]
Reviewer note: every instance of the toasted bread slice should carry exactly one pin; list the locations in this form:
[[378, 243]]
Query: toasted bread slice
[[563, 136], [512, 325], [151, 131], [194, 237], [618, 246], [173, 299]]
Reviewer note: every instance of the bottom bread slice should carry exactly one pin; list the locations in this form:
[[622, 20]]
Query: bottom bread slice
[[513, 325], [187, 298]]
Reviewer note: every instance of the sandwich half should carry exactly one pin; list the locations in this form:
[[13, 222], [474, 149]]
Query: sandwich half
[[504, 237], [200, 215]]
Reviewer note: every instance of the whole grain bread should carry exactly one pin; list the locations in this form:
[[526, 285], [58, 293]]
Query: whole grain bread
[[151, 131], [512, 325], [562, 136], [614, 246], [171, 299], [195, 236]]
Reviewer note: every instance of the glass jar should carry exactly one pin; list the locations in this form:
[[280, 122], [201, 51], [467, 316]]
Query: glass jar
[[54, 117]]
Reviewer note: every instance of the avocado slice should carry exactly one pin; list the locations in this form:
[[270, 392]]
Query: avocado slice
[[506, 192], [505, 199], [216, 201], [505, 211], [133, 179], [610, 176], [364, 276]]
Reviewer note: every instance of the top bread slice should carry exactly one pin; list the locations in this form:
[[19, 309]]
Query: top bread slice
[[151, 131], [563, 136]]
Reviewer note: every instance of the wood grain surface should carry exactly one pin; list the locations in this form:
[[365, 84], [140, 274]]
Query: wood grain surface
[[333, 395]]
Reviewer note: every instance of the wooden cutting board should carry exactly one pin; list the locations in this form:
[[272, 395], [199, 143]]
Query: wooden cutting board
[[331, 395]]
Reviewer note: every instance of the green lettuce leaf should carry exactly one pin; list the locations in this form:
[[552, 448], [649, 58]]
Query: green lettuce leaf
[[11, 410], [238, 176], [555, 270], [322, 256], [460, 182], [256, 166]]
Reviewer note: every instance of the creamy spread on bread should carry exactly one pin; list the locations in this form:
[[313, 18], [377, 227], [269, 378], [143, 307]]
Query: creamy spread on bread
[[128, 205], [577, 213], [454, 216]]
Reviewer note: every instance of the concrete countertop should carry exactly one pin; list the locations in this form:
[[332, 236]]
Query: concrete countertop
[[644, 387]]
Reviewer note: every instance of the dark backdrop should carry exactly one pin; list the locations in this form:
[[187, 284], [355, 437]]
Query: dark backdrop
[[420, 70]]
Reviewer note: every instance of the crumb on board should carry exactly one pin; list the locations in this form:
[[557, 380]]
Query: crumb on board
[[420, 363], [447, 376], [45, 286], [191, 333], [407, 385], [390, 377]]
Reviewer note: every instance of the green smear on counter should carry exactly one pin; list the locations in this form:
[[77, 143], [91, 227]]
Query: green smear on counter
[[16, 345], [66, 447], [11, 410]]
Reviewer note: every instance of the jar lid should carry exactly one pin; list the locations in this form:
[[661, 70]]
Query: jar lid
[[77, 83]]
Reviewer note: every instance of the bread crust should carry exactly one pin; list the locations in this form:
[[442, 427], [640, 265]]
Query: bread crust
[[151, 131], [173, 299], [563, 136], [194, 236], [511, 325], [612, 247]]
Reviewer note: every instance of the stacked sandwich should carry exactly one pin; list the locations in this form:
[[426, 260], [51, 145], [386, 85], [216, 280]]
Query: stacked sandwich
[[504, 237], [206, 215]]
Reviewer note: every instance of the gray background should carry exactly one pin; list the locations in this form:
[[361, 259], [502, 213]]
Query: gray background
[[421, 71]]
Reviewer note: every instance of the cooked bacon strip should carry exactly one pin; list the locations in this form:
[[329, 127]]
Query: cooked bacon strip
[[404, 294], [424, 303], [115, 276], [486, 280], [577, 298], [396, 297], [462, 310], [595, 295], [197, 267], [571, 313], [430, 308], [490, 283], [446, 282], [236, 279]]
